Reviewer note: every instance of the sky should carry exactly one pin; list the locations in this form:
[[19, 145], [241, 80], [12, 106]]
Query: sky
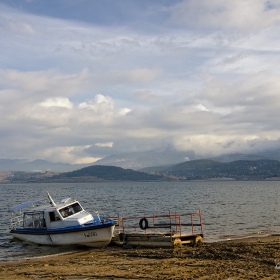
[[84, 79]]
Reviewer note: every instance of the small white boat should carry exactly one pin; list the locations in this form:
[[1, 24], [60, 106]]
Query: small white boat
[[64, 223]]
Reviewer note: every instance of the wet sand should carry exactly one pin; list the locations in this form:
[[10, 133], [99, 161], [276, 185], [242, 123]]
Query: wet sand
[[250, 258]]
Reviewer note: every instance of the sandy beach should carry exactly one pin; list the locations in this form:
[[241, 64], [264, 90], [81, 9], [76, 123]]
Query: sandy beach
[[250, 258]]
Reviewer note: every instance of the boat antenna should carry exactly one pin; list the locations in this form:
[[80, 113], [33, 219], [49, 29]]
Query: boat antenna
[[51, 200]]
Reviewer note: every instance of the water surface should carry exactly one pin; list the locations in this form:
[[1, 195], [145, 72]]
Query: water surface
[[228, 207]]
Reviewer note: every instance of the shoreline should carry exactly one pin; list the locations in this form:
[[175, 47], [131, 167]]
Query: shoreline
[[246, 258], [101, 180]]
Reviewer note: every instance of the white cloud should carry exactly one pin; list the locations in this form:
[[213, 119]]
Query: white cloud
[[106, 144], [75, 154], [233, 59], [200, 107], [22, 27], [147, 96], [57, 102], [124, 111], [251, 91], [242, 16], [206, 81], [50, 82], [101, 104], [11, 21], [142, 75]]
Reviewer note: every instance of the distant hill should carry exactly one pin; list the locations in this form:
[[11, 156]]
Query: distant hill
[[237, 156], [108, 173], [37, 165], [157, 169], [157, 158], [273, 155], [140, 160], [206, 169]]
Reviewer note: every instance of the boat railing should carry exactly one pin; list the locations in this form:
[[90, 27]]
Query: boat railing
[[16, 221], [171, 224]]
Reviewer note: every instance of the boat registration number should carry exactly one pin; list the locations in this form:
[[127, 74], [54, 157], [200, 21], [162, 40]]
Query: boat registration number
[[90, 234]]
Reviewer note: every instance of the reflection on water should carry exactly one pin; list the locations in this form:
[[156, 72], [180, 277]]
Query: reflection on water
[[228, 207]]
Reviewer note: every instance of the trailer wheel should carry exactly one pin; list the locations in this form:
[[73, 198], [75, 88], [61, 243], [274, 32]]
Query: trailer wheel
[[177, 242], [197, 241], [122, 237]]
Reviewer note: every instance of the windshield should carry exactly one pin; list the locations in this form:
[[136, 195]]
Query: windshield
[[70, 210]]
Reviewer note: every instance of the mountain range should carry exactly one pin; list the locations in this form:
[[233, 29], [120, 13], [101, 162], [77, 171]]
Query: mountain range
[[201, 169], [136, 161], [205, 169], [37, 165]]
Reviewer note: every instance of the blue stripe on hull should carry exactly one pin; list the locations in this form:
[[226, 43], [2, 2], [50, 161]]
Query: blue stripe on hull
[[61, 230]]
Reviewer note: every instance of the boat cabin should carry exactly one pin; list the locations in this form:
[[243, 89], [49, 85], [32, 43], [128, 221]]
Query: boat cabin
[[53, 217]]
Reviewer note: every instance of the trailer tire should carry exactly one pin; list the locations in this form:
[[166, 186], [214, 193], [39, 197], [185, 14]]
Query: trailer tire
[[122, 237], [197, 241], [143, 223]]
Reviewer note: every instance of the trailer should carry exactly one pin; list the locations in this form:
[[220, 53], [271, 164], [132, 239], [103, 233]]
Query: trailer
[[168, 230]]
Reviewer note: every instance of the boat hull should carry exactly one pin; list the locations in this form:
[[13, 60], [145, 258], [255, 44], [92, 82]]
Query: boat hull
[[93, 237]]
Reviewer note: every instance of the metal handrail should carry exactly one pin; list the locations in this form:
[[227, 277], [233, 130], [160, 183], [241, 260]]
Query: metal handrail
[[174, 220], [16, 221]]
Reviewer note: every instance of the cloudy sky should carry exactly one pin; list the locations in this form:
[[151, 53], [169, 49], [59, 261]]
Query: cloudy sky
[[83, 79]]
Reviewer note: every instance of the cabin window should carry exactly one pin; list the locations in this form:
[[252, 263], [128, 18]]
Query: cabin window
[[34, 220], [70, 210], [54, 216]]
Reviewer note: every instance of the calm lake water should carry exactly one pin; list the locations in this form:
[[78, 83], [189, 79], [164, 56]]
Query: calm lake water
[[228, 207]]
